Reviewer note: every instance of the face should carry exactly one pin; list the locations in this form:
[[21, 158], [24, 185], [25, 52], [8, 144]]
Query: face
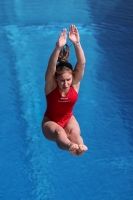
[[64, 81]]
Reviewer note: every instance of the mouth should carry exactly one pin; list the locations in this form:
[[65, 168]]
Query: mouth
[[65, 88]]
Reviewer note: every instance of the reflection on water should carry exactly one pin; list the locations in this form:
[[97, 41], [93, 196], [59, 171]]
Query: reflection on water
[[104, 110]]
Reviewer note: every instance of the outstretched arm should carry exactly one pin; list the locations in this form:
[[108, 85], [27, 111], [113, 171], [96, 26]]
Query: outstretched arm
[[54, 57], [79, 68]]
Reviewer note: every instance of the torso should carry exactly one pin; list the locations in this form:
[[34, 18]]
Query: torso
[[60, 105]]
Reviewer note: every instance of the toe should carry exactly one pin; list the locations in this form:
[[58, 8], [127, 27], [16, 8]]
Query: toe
[[73, 148], [82, 149]]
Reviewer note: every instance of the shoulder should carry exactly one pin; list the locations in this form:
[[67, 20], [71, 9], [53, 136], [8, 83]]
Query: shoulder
[[49, 87]]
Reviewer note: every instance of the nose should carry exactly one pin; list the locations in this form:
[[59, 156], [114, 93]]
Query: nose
[[65, 83]]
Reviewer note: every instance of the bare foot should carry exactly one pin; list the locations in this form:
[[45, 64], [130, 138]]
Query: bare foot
[[73, 148], [82, 149]]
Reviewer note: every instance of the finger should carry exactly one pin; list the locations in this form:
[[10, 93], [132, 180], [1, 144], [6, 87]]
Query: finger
[[76, 30], [71, 27], [64, 30], [74, 27], [62, 33]]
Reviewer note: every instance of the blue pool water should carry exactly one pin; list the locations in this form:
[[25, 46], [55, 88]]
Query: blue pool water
[[33, 168]]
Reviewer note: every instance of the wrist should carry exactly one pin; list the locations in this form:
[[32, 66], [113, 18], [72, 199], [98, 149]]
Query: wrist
[[77, 44], [57, 47]]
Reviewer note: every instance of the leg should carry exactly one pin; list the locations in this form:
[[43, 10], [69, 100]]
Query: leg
[[52, 131], [73, 132]]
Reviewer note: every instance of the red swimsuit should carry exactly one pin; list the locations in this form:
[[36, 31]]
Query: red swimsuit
[[59, 108]]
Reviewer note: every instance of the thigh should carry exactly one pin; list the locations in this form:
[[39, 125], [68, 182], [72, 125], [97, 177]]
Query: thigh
[[51, 129], [72, 126]]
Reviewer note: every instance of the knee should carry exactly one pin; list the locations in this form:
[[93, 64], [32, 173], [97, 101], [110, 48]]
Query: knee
[[74, 131], [59, 132]]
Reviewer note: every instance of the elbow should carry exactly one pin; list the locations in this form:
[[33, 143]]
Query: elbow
[[82, 61]]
